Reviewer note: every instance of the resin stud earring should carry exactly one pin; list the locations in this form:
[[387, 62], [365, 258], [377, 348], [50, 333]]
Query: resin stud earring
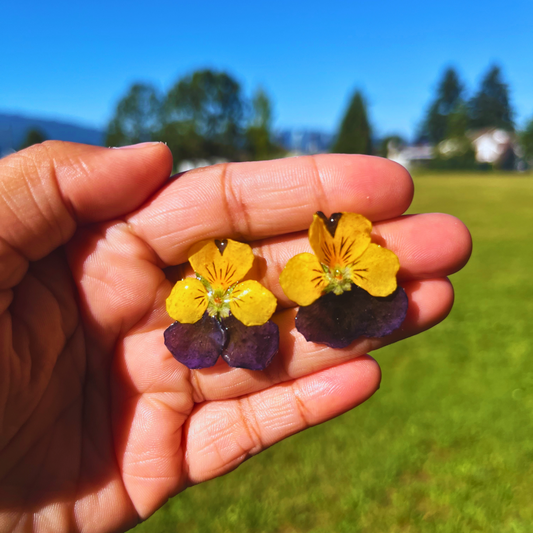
[[348, 289], [217, 314]]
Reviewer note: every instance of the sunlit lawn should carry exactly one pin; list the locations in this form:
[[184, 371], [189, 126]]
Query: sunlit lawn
[[446, 444]]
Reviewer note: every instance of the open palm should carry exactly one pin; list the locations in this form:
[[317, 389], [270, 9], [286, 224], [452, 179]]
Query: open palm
[[99, 425]]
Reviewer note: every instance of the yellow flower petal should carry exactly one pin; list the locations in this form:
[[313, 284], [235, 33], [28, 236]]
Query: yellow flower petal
[[352, 237], [302, 279], [252, 304], [375, 271], [187, 301], [221, 270]]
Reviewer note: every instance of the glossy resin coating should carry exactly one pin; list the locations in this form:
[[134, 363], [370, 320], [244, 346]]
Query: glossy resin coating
[[199, 345], [339, 320]]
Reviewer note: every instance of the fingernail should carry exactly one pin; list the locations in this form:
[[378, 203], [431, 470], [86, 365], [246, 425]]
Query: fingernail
[[133, 146]]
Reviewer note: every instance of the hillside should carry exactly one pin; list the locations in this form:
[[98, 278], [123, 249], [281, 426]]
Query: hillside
[[13, 130]]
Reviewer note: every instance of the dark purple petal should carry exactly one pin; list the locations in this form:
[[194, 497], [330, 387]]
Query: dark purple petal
[[251, 347], [196, 345], [389, 313], [338, 320]]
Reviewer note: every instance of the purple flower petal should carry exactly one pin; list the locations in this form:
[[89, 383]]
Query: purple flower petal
[[338, 320], [196, 345], [251, 347], [389, 313]]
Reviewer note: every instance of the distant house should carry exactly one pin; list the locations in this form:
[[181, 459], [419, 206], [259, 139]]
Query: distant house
[[493, 145], [409, 156]]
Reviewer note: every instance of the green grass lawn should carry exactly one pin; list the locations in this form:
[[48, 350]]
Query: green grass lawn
[[446, 444]]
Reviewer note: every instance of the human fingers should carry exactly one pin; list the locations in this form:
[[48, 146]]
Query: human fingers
[[430, 301], [50, 188], [429, 246], [221, 435], [249, 201]]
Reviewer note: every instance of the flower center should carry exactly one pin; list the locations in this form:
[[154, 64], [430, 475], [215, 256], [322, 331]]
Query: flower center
[[339, 279], [218, 302]]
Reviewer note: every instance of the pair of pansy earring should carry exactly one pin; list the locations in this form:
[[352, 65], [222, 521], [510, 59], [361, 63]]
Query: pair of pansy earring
[[346, 291]]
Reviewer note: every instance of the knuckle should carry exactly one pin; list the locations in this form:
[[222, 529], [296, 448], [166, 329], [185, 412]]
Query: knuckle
[[321, 198], [250, 426], [235, 207], [300, 408]]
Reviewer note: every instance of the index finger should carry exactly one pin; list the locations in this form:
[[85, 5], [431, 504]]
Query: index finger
[[248, 201]]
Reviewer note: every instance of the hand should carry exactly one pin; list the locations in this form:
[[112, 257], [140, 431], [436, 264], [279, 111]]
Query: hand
[[99, 425]]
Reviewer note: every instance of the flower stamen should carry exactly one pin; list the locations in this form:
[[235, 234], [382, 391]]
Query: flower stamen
[[338, 278]]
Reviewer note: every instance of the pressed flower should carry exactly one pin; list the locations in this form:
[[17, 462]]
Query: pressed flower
[[348, 289], [217, 314]]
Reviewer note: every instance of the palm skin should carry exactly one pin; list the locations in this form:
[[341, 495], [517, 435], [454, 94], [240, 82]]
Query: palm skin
[[99, 425]]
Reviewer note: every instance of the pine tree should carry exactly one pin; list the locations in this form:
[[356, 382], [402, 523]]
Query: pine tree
[[456, 150], [449, 98], [526, 141], [491, 107], [355, 134]]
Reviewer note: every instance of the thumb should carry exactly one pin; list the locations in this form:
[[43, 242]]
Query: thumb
[[50, 188]]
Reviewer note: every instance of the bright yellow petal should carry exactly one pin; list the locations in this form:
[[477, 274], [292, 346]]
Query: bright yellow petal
[[187, 301], [221, 270], [252, 304], [352, 237], [302, 279], [375, 271]]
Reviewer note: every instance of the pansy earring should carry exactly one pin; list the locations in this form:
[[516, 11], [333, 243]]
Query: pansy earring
[[217, 314], [348, 289]]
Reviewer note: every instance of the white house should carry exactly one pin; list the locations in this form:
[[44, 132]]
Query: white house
[[491, 144], [409, 155]]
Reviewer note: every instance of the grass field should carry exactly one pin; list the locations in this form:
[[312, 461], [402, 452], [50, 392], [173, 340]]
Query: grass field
[[446, 444]]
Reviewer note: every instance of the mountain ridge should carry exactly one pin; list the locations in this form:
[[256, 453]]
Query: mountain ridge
[[14, 127]]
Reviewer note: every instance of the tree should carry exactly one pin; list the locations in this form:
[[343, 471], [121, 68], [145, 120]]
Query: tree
[[455, 152], [204, 117], [33, 136], [526, 141], [449, 97], [259, 141], [137, 117], [457, 121], [355, 134], [491, 106], [390, 142]]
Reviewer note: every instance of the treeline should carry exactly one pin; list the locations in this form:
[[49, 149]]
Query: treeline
[[453, 114], [204, 116]]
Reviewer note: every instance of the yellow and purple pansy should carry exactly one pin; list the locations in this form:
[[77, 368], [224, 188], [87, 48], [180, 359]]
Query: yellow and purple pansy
[[348, 289], [217, 314]]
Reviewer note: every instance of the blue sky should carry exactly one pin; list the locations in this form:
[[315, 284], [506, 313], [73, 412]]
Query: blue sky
[[74, 60]]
